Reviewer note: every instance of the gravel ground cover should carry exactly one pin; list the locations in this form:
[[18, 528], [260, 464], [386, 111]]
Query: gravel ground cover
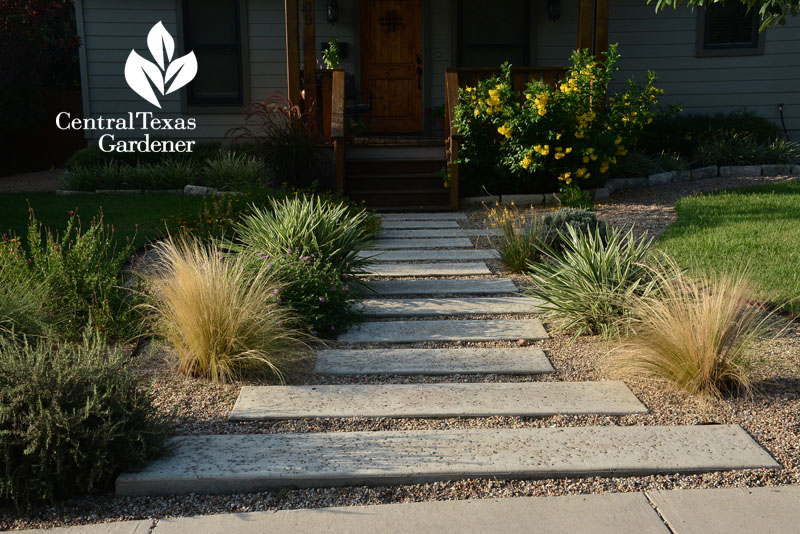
[[193, 406]]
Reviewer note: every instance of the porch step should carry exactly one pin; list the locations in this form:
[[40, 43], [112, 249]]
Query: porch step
[[515, 399], [444, 330], [368, 152], [432, 362], [386, 215], [394, 166], [432, 198], [382, 182], [246, 463], [433, 307], [390, 224]]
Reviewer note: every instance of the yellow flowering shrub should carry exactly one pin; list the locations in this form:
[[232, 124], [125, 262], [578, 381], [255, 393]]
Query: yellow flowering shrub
[[551, 136]]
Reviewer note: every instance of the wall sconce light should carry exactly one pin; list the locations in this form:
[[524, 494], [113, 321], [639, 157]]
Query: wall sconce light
[[333, 11], [554, 10]]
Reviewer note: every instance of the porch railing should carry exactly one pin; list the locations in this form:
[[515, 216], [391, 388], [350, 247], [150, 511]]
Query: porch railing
[[468, 76]]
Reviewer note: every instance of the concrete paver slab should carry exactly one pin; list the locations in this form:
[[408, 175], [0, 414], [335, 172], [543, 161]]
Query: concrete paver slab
[[427, 269], [501, 360], [455, 216], [454, 242], [442, 232], [619, 513], [522, 399], [444, 330], [431, 255], [257, 462], [405, 225], [433, 307], [475, 286], [741, 510], [117, 527]]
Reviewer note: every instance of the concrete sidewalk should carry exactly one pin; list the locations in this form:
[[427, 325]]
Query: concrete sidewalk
[[706, 511]]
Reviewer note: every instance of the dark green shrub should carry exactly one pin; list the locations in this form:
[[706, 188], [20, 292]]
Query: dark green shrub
[[644, 164], [737, 148], [24, 300], [552, 227], [316, 291], [80, 273], [72, 417], [233, 171]]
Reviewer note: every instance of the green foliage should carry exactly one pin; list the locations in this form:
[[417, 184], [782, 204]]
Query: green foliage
[[316, 243], [521, 237], [92, 156], [737, 148], [546, 135], [317, 291], [234, 171], [572, 196], [772, 12], [24, 309], [72, 417], [80, 272], [590, 286], [331, 55], [553, 225], [639, 163]]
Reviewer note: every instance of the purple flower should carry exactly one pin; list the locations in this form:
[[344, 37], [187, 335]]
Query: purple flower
[[322, 299], [333, 327], [345, 288]]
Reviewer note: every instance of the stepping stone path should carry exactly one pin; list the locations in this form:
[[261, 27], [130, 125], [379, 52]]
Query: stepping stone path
[[429, 311]]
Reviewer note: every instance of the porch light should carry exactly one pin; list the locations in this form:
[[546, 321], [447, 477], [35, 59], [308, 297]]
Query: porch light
[[333, 11], [554, 10]]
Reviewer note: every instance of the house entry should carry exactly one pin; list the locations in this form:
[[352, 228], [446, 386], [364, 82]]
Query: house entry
[[391, 64]]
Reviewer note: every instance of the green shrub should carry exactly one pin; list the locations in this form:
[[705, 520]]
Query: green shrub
[[233, 171], [590, 286], [552, 226], [222, 318], [744, 148], [92, 156], [169, 174], [81, 272], [639, 163], [549, 136], [310, 225], [316, 291], [24, 300], [72, 417]]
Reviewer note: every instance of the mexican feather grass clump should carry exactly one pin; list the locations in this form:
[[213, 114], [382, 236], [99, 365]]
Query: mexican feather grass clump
[[589, 286], [222, 316], [698, 333]]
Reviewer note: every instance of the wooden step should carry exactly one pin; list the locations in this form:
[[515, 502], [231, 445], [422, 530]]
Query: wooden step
[[396, 182], [403, 166], [417, 198]]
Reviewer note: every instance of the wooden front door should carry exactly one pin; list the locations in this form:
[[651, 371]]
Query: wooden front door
[[391, 64]]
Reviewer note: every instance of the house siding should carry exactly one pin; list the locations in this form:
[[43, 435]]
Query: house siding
[[665, 43]]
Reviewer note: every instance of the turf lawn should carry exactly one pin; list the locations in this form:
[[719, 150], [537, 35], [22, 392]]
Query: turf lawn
[[140, 218], [756, 229]]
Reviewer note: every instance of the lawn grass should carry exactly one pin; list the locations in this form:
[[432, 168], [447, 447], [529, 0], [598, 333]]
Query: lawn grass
[[139, 218], [756, 229]]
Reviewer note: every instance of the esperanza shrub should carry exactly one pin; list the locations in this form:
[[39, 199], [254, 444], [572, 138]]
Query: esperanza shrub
[[317, 243], [72, 417], [590, 286], [699, 333], [548, 137], [223, 317], [81, 271]]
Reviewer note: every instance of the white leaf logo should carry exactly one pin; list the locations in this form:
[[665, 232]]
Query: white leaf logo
[[143, 75]]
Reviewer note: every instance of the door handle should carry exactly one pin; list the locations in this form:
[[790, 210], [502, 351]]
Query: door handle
[[419, 77]]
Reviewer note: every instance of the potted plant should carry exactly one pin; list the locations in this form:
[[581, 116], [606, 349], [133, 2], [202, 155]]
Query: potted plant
[[436, 114]]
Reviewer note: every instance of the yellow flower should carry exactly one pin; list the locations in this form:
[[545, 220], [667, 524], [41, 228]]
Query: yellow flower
[[528, 96], [618, 140], [505, 130], [558, 137], [586, 159], [568, 150], [526, 161], [559, 155], [649, 120]]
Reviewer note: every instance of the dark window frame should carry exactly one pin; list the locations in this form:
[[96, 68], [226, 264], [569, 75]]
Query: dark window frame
[[526, 52], [243, 75], [706, 49]]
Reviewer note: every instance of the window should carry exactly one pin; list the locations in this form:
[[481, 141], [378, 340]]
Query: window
[[488, 37], [729, 29], [213, 30]]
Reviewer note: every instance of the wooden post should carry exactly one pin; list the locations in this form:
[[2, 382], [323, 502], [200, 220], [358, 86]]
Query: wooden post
[[310, 62], [292, 52], [337, 127], [585, 24], [601, 27], [451, 101]]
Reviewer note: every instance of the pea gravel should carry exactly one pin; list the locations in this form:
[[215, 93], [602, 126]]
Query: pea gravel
[[193, 406]]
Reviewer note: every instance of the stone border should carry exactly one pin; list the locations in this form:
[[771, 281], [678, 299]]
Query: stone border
[[189, 190], [662, 178]]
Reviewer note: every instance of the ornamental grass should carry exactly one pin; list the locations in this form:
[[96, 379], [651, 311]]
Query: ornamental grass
[[699, 334], [520, 240], [221, 316]]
